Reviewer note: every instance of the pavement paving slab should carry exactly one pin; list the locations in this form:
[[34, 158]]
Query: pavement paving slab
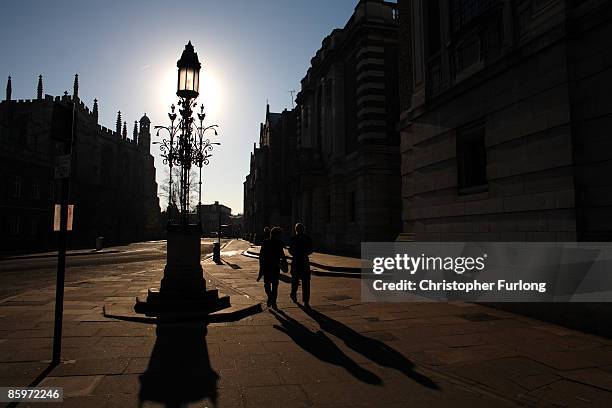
[[344, 353]]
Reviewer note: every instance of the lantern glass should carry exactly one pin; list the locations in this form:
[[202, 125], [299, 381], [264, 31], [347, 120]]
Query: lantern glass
[[188, 81]]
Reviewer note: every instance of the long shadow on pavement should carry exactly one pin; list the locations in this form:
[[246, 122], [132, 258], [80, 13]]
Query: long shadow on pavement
[[179, 370], [320, 346], [373, 349]]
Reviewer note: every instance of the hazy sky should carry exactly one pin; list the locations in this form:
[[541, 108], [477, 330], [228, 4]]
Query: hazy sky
[[125, 53]]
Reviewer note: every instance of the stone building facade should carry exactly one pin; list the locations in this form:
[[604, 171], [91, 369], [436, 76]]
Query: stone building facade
[[346, 187], [505, 117], [267, 188], [213, 216], [113, 183]]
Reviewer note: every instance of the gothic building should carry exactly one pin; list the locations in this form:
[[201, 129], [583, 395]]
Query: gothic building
[[113, 183], [267, 188], [505, 119]]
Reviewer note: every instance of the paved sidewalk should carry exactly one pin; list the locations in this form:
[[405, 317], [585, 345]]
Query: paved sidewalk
[[461, 346], [343, 354]]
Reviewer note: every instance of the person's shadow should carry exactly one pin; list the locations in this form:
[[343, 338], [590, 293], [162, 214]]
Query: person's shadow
[[179, 370], [373, 349], [320, 346]]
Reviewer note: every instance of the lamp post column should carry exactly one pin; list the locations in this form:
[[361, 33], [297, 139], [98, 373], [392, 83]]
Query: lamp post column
[[183, 287]]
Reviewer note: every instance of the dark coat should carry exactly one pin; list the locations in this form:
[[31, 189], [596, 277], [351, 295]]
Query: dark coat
[[270, 256], [300, 247]]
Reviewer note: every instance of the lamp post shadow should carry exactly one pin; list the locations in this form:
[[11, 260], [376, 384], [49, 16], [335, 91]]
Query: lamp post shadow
[[179, 370]]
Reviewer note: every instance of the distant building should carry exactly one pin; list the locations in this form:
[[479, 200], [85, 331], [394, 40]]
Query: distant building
[[505, 120], [235, 229], [214, 216], [268, 186], [347, 186], [113, 183]]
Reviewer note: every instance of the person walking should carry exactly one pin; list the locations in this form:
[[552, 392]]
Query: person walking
[[271, 256], [300, 248]]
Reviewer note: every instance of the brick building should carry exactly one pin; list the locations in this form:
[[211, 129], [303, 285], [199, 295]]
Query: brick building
[[505, 114], [113, 183]]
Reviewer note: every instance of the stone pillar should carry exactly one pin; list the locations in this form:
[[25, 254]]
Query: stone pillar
[[182, 293], [183, 273]]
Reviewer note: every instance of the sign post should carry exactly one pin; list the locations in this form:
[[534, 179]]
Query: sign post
[[62, 130]]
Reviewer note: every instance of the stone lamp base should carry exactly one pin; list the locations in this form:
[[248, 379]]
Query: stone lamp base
[[183, 287]]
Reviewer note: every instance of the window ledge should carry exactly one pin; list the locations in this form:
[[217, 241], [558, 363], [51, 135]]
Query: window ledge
[[483, 188]]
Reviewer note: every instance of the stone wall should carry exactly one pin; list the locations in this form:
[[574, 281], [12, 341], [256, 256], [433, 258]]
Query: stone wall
[[542, 107]]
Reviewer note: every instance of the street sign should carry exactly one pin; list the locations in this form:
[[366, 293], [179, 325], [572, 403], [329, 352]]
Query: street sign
[[70, 216], [57, 216], [62, 166]]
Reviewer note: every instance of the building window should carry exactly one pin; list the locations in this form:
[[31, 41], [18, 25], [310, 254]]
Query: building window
[[328, 94], [433, 27], [471, 161], [351, 206], [464, 12], [306, 115], [13, 225], [468, 54], [350, 104], [16, 187], [51, 191], [319, 117], [35, 189]]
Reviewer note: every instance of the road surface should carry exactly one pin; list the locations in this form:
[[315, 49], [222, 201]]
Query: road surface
[[19, 274]]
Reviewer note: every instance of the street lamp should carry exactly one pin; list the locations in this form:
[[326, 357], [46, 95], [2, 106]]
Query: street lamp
[[186, 144], [188, 86], [183, 286]]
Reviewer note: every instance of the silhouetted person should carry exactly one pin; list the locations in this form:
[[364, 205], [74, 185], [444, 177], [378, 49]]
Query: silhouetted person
[[261, 238], [266, 235], [300, 248], [270, 256]]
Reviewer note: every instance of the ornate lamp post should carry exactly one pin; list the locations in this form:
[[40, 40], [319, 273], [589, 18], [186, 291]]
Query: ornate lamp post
[[183, 287]]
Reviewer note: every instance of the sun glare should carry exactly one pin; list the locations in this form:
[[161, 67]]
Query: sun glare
[[211, 94]]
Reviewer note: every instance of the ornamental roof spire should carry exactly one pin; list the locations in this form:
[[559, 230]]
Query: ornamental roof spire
[[118, 123], [75, 88], [9, 89], [135, 132], [95, 110], [39, 90]]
